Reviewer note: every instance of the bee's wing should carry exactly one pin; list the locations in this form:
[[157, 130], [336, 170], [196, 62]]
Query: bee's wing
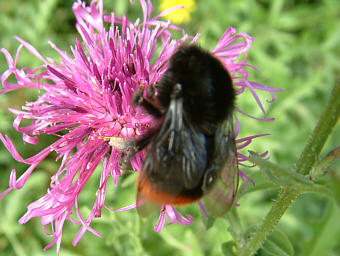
[[221, 179], [175, 161]]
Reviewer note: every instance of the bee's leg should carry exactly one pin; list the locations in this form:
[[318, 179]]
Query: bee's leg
[[137, 99], [142, 142], [131, 150], [123, 145], [150, 92], [124, 163]]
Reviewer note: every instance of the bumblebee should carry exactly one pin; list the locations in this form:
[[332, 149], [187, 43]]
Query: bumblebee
[[191, 153]]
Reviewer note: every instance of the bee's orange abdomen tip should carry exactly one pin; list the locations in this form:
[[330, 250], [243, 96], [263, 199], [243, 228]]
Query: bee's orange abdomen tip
[[151, 193]]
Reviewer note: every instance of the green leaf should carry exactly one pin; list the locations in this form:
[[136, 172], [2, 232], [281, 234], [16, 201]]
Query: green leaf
[[278, 244], [285, 177], [261, 182], [324, 238], [227, 249], [278, 174], [316, 188], [208, 223], [332, 181], [327, 161]]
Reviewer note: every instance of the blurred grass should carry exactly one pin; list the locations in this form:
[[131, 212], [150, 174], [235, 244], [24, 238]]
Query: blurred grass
[[296, 48]]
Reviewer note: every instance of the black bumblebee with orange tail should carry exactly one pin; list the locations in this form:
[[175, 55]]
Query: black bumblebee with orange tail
[[192, 153]]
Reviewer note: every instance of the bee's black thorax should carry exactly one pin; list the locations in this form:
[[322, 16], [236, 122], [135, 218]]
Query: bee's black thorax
[[206, 87]]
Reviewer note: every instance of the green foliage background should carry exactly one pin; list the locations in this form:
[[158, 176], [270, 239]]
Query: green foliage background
[[296, 48]]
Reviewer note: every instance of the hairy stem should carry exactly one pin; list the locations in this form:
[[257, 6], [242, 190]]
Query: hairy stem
[[283, 202], [320, 134]]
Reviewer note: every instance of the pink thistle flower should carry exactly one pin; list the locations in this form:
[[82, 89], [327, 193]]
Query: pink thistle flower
[[88, 97]]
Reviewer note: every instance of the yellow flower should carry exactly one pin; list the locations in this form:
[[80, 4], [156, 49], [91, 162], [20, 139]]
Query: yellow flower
[[178, 16]]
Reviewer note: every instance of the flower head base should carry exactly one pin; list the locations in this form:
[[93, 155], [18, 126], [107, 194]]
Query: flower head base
[[88, 97]]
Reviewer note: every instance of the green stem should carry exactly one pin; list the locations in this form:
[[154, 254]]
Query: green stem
[[320, 134], [16, 245], [283, 202], [235, 227]]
